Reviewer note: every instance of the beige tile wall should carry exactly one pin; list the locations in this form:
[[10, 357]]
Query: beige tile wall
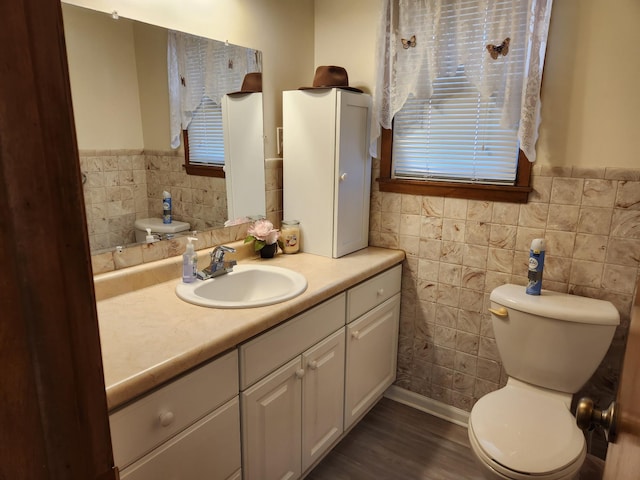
[[115, 192], [459, 250]]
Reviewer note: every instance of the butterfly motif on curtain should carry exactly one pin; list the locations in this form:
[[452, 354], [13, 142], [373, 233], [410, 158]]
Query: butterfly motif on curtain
[[408, 43], [496, 50]]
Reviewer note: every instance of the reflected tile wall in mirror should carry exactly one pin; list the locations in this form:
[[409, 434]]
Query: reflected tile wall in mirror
[[109, 260], [125, 185]]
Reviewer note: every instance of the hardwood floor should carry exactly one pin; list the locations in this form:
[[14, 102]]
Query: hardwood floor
[[394, 441]]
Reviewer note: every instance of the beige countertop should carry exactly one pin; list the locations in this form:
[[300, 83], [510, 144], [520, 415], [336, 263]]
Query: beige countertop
[[148, 335]]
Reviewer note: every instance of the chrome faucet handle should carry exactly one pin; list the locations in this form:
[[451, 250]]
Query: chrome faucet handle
[[217, 254], [218, 265]]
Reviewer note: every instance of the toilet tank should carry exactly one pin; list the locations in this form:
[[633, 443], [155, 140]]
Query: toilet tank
[[157, 226], [553, 340]]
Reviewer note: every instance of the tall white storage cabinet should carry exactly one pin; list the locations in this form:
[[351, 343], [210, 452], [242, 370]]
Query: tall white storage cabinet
[[327, 168]]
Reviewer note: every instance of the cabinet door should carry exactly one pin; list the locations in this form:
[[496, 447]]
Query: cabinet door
[[208, 449], [371, 358], [271, 429], [353, 173], [322, 397]]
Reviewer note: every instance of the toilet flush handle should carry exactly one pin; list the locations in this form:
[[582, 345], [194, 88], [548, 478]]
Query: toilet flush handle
[[499, 312], [587, 416]]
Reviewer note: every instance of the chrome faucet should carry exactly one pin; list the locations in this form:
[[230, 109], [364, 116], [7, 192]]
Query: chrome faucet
[[218, 266]]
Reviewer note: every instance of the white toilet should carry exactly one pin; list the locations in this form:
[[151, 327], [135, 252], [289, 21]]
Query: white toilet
[[550, 345], [162, 230]]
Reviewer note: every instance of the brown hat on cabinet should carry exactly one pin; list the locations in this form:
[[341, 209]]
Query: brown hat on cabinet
[[331, 76], [252, 83]]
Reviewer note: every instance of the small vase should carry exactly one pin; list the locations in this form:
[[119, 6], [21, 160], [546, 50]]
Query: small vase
[[268, 251]]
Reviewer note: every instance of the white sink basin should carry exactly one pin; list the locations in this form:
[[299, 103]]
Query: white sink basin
[[246, 286]]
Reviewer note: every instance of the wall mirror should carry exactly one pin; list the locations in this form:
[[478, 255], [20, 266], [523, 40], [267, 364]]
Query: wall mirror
[[120, 91]]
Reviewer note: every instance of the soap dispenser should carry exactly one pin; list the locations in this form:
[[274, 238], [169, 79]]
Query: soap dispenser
[[189, 262]]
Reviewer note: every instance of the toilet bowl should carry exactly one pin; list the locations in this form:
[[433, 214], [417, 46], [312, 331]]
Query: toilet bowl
[[550, 345], [520, 432], [159, 229]]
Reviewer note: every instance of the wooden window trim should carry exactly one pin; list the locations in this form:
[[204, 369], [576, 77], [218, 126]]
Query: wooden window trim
[[518, 193], [202, 170]]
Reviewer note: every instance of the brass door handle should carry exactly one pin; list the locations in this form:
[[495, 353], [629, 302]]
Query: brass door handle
[[587, 416], [499, 312]]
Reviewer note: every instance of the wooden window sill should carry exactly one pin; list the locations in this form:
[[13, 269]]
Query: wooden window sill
[[518, 193]]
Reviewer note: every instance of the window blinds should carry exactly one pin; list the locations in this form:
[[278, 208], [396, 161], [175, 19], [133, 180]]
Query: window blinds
[[206, 137], [455, 135]]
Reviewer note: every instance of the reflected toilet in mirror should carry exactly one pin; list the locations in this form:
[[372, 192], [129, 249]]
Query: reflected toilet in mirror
[[160, 231]]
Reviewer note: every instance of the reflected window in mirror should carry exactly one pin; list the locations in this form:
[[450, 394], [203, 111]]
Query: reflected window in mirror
[[204, 141], [201, 72]]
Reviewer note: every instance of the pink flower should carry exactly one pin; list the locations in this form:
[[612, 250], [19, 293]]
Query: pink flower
[[263, 230]]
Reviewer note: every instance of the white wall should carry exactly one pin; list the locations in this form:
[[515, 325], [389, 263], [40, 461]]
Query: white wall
[[151, 58], [103, 69], [346, 36], [590, 93]]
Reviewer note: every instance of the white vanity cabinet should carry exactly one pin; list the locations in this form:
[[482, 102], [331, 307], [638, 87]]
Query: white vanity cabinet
[[294, 414], [373, 314], [188, 429], [274, 406], [327, 168], [306, 381]]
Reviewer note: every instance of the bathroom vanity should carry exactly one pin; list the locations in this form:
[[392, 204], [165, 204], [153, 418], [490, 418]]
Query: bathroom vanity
[[189, 388]]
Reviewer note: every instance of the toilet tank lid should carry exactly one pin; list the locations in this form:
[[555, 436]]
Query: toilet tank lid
[[156, 225], [561, 306]]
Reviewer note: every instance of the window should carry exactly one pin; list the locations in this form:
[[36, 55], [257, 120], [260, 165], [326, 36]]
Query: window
[[203, 138], [459, 70]]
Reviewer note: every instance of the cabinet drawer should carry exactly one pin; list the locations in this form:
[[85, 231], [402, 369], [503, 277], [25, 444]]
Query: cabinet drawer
[[267, 352], [367, 295], [208, 449], [139, 427]]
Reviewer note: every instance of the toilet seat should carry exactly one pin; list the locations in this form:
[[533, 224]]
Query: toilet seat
[[523, 432]]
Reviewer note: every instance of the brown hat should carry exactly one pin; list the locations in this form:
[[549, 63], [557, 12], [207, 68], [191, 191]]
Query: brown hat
[[252, 83], [329, 77]]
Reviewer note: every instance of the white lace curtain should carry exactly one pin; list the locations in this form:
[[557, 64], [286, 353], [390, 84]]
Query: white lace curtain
[[199, 67], [400, 71]]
